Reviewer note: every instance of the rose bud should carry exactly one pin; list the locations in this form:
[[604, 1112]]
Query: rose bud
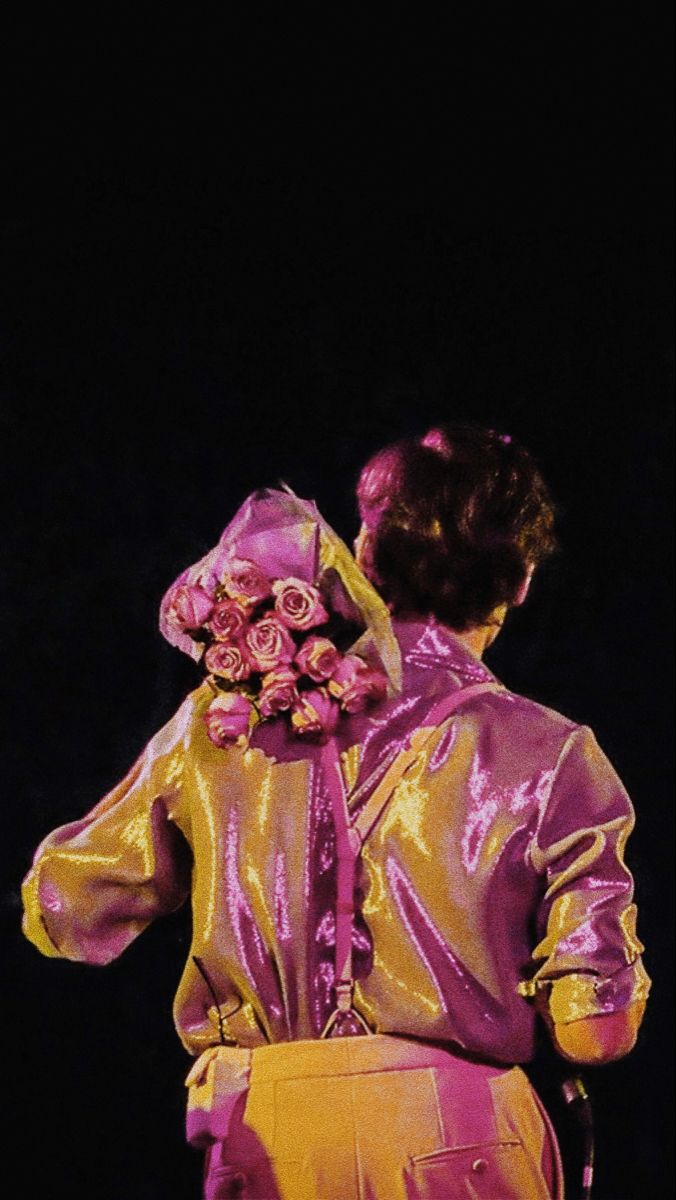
[[268, 645], [298, 604], [244, 581], [190, 606], [355, 684], [227, 719], [278, 691], [315, 715], [227, 661], [317, 658], [228, 620]]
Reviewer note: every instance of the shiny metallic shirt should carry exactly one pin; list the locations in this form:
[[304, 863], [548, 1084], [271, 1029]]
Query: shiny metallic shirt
[[495, 875]]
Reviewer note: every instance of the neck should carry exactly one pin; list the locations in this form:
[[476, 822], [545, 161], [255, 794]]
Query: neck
[[480, 637]]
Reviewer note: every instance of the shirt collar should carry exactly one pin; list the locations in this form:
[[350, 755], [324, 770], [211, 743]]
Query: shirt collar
[[425, 642]]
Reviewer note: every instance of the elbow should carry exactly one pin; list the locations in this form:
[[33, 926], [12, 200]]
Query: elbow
[[66, 923]]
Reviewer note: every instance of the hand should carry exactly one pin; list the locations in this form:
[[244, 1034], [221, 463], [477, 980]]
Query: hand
[[599, 1039]]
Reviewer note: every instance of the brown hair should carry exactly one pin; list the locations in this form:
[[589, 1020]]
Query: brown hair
[[455, 520]]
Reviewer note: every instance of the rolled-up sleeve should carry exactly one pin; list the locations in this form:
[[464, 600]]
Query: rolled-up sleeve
[[588, 954], [96, 883]]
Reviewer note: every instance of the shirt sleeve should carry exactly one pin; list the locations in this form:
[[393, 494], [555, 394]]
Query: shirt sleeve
[[96, 883], [588, 954]]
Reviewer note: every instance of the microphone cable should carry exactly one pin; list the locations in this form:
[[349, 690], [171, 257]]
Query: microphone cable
[[575, 1095]]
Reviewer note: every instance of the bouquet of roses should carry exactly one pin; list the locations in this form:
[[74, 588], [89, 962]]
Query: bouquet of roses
[[266, 654]]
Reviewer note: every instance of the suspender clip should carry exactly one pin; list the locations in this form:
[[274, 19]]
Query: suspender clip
[[344, 995]]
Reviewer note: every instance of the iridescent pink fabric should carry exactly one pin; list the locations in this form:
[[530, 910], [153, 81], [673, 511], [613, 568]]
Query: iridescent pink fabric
[[496, 871]]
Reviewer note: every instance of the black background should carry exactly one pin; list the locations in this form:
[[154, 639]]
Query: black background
[[234, 256]]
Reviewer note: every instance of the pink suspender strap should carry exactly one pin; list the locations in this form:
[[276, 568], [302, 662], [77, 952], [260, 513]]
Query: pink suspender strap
[[350, 836]]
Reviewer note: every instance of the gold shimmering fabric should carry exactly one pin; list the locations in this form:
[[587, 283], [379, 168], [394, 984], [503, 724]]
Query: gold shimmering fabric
[[495, 874], [316, 1111]]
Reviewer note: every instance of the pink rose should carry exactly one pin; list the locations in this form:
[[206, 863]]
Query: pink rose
[[315, 714], [298, 604], [268, 645], [244, 581], [355, 684], [278, 691], [189, 607], [317, 658], [227, 718], [227, 620], [227, 661]]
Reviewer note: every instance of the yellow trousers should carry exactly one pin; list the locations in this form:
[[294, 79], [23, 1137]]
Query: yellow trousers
[[380, 1118]]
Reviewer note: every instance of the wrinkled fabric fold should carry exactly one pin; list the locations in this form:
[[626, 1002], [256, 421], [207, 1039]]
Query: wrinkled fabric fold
[[496, 873], [215, 1084]]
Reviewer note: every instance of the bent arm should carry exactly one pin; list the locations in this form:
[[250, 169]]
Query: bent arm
[[590, 985], [96, 883]]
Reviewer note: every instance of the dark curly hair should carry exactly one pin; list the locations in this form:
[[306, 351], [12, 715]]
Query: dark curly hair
[[455, 520]]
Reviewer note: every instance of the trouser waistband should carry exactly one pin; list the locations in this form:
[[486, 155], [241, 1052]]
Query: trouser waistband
[[354, 1055]]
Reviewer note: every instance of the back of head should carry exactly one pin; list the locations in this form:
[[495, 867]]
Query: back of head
[[455, 521]]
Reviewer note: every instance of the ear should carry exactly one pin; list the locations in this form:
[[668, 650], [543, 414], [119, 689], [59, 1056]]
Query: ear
[[523, 590]]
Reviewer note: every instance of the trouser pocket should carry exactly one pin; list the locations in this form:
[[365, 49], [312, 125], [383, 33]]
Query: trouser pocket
[[485, 1171]]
